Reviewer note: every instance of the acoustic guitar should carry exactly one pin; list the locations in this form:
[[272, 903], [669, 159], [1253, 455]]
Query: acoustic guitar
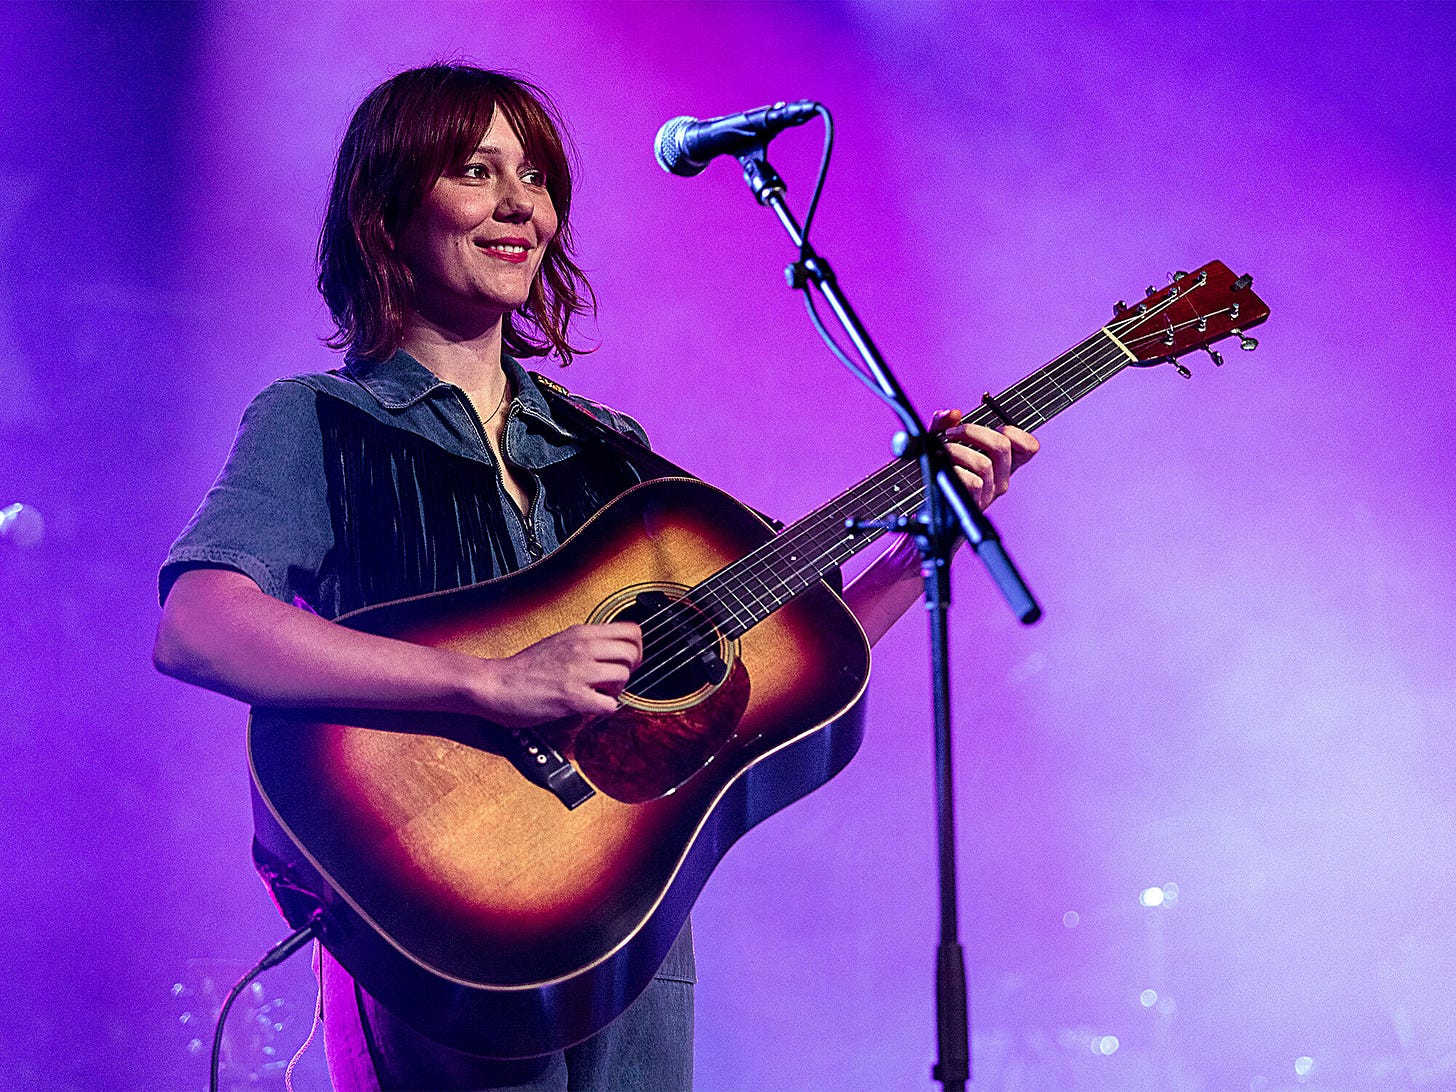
[[510, 892]]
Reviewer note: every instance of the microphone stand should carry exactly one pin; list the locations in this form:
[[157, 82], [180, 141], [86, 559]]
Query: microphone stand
[[948, 510]]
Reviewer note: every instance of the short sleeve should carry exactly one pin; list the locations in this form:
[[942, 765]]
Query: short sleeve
[[267, 515]]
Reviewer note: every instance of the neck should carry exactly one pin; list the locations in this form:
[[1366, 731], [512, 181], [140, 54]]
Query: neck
[[469, 359]]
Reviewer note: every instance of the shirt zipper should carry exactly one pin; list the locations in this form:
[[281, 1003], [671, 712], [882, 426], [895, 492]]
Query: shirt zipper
[[533, 544]]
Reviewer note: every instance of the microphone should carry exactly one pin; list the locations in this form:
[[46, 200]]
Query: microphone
[[685, 145]]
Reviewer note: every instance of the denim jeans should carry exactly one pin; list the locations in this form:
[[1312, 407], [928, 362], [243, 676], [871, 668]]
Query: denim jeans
[[649, 1048]]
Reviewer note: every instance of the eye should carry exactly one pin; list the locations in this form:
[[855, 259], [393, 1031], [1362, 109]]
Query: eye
[[533, 176], [475, 170]]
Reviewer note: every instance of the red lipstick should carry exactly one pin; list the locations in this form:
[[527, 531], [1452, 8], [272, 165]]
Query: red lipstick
[[494, 248]]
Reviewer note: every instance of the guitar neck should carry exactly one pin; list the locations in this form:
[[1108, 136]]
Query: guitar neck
[[748, 591]]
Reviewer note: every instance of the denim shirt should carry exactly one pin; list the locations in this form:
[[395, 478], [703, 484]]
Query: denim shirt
[[268, 514]]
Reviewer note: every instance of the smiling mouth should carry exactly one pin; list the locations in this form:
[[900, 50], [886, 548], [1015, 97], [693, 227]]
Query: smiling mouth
[[507, 251]]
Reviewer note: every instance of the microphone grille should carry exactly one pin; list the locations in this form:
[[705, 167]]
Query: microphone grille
[[669, 151]]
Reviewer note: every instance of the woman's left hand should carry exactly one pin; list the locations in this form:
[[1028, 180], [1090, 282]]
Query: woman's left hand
[[984, 458]]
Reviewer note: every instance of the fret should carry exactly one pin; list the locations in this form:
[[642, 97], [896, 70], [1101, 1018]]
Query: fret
[[748, 591]]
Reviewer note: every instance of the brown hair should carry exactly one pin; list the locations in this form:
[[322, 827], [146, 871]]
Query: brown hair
[[404, 136]]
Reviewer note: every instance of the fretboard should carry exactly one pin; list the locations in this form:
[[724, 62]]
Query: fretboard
[[746, 592]]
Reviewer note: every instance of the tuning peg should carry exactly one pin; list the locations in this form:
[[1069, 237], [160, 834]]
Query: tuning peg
[[1119, 307], [1241, 283], [1246, 343], [1152, 291], [1216, 357], [1178, 276], [1182, 369]]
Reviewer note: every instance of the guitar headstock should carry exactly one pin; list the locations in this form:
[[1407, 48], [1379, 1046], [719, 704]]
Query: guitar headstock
[[1193, 312]]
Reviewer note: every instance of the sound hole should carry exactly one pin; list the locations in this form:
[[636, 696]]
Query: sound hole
[[680, 648]]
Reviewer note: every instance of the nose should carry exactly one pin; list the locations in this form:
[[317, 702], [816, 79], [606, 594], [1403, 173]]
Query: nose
[[517, 204]]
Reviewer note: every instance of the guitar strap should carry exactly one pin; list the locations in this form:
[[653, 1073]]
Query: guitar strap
[[638, 455]]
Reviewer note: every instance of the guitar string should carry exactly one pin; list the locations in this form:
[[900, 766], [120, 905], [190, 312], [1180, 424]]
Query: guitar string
[[758, 562], [802, 574], [1052, 375], [981, 415], [1116, 327], [907, 500], [718, 590], [726, 602], [761, 560], [747, 614], [1039, 380]]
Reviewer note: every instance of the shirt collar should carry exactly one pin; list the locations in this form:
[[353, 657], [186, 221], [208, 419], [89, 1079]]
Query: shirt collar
[[400, 381], [529, 398], [396, 382]]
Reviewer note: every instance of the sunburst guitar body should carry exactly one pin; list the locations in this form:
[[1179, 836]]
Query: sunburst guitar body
[[474, 902]]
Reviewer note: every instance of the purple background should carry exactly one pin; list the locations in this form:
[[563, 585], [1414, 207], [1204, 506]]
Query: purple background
[[1244, 681]]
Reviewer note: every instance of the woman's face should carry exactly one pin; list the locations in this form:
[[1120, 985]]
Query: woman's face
[[476, 241]]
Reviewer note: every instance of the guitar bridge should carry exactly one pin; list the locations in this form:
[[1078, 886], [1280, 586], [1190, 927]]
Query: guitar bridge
[[544, 766]]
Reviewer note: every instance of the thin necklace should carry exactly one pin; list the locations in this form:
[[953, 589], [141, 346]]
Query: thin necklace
[[505, 390]]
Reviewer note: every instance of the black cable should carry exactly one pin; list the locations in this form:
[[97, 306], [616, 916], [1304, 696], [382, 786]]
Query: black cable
[[276, 955], [823, 112], [807, 286], [835, 348]]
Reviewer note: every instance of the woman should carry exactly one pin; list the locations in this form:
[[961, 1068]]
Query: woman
[[433, 460]]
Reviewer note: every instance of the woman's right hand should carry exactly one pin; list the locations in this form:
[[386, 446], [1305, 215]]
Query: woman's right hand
[[219, 630], [577, 672]]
